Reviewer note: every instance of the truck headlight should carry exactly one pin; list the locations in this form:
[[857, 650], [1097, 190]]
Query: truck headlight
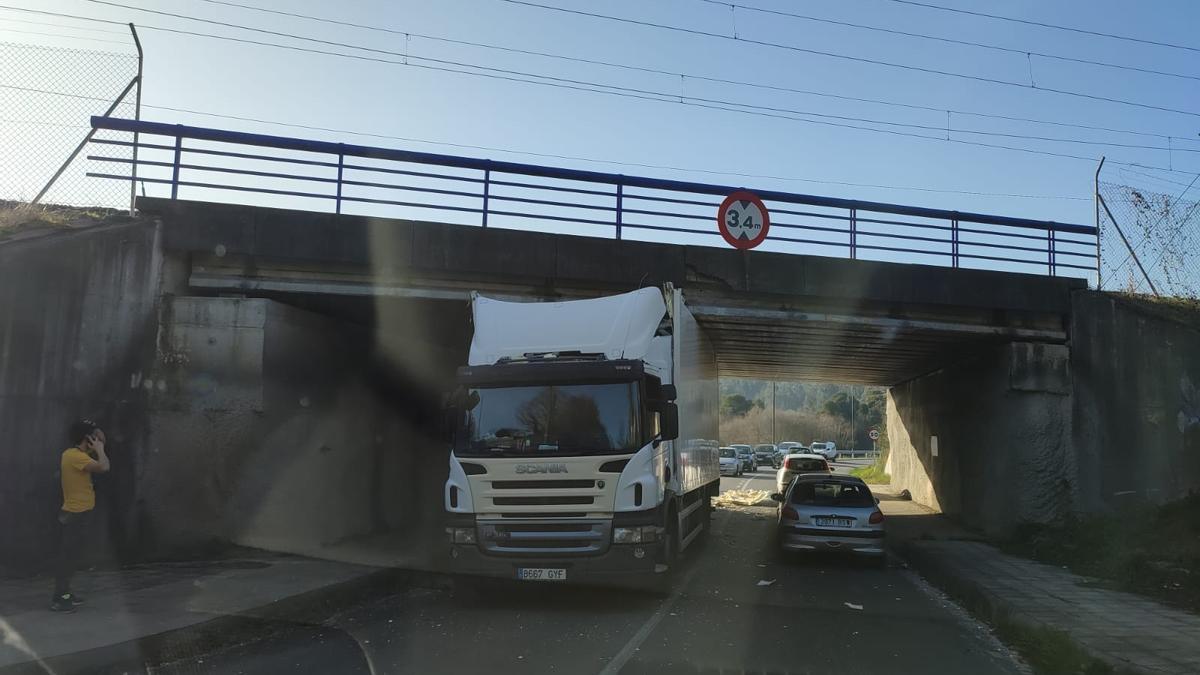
[[461, 535], [635, 535]]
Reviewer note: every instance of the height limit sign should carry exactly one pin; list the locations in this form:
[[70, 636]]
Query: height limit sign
[[743, 220]]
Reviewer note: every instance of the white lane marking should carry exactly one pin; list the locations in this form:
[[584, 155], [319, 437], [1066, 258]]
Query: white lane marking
[[618, 662]]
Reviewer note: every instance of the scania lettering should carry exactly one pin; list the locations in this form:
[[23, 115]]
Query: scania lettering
[[584, 440]]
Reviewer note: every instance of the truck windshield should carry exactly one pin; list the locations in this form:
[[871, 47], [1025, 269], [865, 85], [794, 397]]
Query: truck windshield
[[581, 419]]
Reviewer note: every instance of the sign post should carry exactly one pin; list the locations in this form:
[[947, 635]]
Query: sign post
[[743, 220]]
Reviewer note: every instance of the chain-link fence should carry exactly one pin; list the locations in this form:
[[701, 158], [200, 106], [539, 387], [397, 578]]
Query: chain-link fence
[[1150, 241], [47, 95]]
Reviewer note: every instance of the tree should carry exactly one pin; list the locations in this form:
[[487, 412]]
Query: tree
[[735, 405]]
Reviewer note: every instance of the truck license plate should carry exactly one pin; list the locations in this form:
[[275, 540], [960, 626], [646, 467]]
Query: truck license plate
[[541, 574]]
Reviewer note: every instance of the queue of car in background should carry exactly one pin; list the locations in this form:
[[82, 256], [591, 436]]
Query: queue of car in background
[[827, 449], [797, 464], [767, 453], [731, 464], [746, 453], [787, 447], [824, 513]]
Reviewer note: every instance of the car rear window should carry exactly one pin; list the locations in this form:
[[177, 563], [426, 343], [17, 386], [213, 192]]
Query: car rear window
[[765, 448], [831, 493], [808, 465]]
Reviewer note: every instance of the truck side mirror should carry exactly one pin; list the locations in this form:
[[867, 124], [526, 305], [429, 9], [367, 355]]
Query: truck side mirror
[[668, 392], [668, 422]]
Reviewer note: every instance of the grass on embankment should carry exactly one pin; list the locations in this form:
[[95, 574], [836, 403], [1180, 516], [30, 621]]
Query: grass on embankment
[[1145, 549], [18, 217], [874, 473]]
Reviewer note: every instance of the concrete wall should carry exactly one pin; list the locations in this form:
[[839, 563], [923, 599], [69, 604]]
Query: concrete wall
[[1033, 433], [265, 432], [77, 320], [1003, 425], [1136, 368], [230, 420]]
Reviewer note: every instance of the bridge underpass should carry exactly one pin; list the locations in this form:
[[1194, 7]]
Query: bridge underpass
[[1015, 385], [772, 316]]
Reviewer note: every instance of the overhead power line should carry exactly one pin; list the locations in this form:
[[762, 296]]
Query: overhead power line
[[485, 148], [408, 56], [848, 57], [64, 35], [411, 60], [691, 75], [953, 41], [1042, 24], [63, 25]]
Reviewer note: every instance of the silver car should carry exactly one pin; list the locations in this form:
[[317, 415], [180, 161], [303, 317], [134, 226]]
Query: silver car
[[831, 514]]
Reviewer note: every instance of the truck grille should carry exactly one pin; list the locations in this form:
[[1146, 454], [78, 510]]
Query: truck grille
[[541, 501], [576, 538], [543, 484]]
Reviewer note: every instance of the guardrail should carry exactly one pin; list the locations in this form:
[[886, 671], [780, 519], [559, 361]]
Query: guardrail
[[219, 165]]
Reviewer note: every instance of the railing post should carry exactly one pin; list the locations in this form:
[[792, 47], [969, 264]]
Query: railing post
[[487, 185], [853, 234], [1050, 247], [954, 241], [175, 164], [620, 196], [341, 167]]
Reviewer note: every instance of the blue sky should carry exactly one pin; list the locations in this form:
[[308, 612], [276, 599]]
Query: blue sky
[[286, 86]]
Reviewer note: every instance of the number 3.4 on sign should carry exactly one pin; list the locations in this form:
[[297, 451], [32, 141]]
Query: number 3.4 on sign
[[743, 220]]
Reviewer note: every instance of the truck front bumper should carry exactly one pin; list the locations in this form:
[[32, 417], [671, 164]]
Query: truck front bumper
[[619, 565]]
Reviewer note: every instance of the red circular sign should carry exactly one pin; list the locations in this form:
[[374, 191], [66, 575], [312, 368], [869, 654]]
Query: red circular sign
[[743, 220]]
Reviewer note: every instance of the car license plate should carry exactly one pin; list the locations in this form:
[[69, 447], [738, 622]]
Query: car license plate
[[835, 522], [541, 574]]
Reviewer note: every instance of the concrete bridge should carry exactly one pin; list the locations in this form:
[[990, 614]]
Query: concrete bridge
[[272, 376]]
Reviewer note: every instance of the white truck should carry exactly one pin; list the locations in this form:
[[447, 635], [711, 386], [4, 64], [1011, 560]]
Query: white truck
[[584, 440]]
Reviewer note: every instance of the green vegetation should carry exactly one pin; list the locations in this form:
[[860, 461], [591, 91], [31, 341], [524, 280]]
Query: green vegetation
[[1049, 651], [873, 474], [1142, 548], [736, 405]]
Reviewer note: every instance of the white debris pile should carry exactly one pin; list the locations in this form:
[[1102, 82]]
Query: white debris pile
[[744, 498]]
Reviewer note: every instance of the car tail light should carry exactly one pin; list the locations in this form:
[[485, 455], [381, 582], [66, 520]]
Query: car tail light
[[876, 518], [790, 465], [790, 513]]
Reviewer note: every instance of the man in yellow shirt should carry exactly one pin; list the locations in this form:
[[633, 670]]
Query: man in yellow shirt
[[78, 463]]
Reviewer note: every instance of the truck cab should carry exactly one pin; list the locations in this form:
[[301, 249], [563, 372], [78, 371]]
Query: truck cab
[[566, 462]]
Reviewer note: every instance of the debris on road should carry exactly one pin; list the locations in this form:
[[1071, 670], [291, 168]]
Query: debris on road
[[764, 582], [851, 605], [743, 498]]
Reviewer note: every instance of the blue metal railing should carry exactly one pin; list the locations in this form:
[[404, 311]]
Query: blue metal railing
[[213, 162]]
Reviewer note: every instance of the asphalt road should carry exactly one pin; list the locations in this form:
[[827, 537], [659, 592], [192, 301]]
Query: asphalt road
[[813, 616]]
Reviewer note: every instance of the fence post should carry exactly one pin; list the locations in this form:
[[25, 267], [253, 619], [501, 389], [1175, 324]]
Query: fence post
[[137, 115], [853, 234], [620, 198], [487, 185], [175, 164], [341, 165], [1096, 195]]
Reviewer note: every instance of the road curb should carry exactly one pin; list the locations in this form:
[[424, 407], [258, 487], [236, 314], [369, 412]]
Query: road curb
[[187, 643], [990, 607]]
